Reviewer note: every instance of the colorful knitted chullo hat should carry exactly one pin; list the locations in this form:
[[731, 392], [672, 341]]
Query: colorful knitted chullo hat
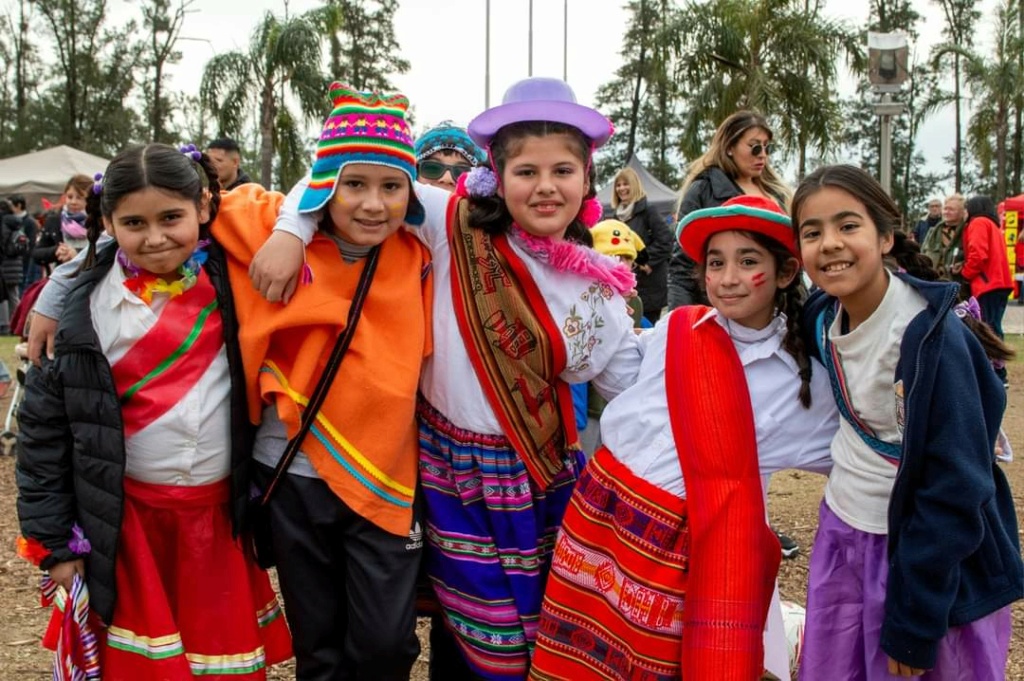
[[363, 127]]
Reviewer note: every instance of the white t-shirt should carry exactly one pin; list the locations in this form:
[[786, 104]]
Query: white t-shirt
[[861, 481]]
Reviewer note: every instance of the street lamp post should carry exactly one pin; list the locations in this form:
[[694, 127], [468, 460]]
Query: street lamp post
[[529, 70], [887, 57], [565, 41]]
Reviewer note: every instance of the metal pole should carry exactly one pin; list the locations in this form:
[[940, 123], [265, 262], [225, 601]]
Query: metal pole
[[487, 56], [565, 41], [529, 70], [885, 173]]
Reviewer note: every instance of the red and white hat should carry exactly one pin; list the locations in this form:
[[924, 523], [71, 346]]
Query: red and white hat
[[747, 213]]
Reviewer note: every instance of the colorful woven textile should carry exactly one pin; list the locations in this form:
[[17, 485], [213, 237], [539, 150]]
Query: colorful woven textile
[[613, 607], [490, 534], [190, 601], [76, 654], [514, 344], [734, 556]]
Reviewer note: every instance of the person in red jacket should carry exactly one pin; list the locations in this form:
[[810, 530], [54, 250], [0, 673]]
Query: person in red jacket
[[986, 266]]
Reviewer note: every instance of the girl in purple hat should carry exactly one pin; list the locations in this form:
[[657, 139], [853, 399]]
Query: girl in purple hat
[[522, 307]]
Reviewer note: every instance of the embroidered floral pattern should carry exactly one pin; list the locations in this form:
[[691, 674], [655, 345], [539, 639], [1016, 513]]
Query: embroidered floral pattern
[[582, 325]]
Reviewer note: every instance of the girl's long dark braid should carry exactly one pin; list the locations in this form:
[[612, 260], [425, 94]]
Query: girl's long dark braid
[[93, 227], [790, 301]]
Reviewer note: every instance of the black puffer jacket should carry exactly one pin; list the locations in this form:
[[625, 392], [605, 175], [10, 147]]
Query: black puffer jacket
[[654, 231], [71, 455], [709, 189]]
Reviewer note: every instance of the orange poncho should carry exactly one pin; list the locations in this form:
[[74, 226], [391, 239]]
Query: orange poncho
[[364, 442]]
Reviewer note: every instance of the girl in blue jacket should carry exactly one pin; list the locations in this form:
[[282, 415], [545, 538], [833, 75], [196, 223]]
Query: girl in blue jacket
[[916, 559]]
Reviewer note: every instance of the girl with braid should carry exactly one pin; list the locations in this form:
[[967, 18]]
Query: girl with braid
[[917, 556], [134, 449], [665, 564]]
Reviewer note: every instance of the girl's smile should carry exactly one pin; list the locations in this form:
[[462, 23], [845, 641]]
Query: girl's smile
[[842, 250], [543, 185], [741, 278], [158, 230]]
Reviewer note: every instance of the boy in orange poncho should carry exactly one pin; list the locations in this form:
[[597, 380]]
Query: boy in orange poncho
[[343, 522]]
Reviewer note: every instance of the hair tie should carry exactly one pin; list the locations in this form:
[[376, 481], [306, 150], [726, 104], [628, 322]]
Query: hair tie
[[79, 545], [195, 156], [968, 308], [97, 185], [477, 183], [191, 152], [591, 212]]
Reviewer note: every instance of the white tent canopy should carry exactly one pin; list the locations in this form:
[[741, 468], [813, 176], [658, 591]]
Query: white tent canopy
[[44, 173]]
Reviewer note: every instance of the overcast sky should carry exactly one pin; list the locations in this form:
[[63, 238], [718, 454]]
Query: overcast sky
[[444, 40]]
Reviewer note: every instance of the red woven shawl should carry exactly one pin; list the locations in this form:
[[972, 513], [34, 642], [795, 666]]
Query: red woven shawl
[[734, 556]]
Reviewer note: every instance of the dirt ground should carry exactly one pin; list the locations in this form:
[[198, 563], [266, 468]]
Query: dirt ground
[[793, 505]]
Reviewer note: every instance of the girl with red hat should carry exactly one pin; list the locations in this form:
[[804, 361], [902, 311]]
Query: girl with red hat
[[665, 565]]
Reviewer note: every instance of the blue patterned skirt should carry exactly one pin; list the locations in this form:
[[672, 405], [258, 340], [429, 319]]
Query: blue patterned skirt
[[490, 536]]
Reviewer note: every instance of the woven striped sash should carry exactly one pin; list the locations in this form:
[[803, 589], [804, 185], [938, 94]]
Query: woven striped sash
[[514, 345], [889, 451], [734, 557], [167, 362]]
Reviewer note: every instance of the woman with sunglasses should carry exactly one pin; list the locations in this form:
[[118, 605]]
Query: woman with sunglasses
[[735, 164], [444, 153]]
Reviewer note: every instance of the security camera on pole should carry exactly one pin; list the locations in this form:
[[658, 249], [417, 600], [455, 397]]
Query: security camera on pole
[[887, 57]]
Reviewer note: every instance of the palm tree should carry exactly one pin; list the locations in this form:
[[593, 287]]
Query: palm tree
[[283, 59], [994, 83], [776, 56]]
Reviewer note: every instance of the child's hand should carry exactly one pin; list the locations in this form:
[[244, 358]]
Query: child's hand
[[64, 252], [41, 331], [276, 266], [63, 573], [900, 669]]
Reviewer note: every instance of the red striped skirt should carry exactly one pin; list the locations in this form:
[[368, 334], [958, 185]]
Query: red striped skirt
[[191, 601], [613, 606]]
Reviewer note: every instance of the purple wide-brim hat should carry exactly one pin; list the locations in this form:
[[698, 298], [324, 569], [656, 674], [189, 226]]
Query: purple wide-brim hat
[[540, 99]]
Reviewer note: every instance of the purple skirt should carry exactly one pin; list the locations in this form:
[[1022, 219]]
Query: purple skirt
[[846, 606]]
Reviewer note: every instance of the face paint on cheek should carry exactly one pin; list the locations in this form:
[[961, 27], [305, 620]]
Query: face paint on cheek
[[396, 210], [759, 279]]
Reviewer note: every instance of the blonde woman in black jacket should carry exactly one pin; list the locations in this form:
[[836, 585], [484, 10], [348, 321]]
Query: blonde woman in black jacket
[[630, 204]]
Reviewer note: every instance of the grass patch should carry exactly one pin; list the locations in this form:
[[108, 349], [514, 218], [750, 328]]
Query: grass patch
[[1016, 341]]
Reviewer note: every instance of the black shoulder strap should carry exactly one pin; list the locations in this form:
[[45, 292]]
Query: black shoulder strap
[[316, 400]]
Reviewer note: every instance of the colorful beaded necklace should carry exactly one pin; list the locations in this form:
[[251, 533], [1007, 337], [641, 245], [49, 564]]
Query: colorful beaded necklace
[[145, 284]]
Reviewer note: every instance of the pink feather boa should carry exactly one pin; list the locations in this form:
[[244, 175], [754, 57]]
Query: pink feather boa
[[567, 256]]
